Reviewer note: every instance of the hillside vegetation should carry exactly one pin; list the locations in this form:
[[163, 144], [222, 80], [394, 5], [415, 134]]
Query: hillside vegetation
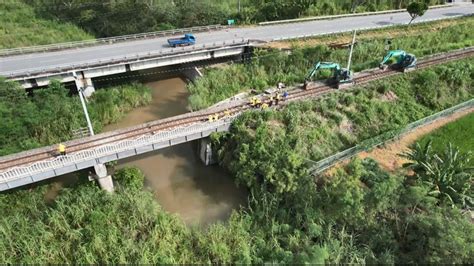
[[269, 67], [360, 214], [20, 26], [110, 17]]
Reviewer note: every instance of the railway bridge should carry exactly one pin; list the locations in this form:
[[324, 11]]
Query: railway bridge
[[43, 163]]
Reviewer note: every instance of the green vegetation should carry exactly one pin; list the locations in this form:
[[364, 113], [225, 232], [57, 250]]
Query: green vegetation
[[50, 115], [459, 133], [279, 140], [447, 175], [20, 26], [359, 214], [110, 18]]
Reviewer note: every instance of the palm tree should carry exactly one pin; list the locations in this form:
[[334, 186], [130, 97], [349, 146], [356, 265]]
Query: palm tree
[[449, 176], [418, 155]]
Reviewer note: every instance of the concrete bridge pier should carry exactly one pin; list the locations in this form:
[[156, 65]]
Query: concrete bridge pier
[[88, 87], [86, 84], [192, 73], [205, 152], [105, 181]]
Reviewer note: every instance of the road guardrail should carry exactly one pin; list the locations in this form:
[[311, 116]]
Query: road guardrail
[[364, 28], [31, 72], [296, 20], [110, 40]]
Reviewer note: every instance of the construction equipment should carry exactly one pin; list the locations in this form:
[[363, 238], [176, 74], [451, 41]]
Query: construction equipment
[[340, 75], [404, 60]]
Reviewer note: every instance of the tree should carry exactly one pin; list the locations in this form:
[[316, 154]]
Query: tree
[[355, 4], [416, 9]]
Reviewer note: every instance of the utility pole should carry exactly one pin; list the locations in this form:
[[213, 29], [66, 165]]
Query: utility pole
[[84, 107], [350, 53], [239, 6]]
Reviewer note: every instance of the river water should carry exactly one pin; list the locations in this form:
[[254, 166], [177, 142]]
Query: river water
[[181, 183]]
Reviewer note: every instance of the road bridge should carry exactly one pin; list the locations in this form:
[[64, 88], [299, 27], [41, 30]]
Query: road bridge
[[40, 164], [38, 68]]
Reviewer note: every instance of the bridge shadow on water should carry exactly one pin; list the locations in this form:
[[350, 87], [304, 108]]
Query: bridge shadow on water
[[182, 184]]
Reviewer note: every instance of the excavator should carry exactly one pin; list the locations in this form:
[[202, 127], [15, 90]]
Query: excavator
[[341, 76], [404, 60]]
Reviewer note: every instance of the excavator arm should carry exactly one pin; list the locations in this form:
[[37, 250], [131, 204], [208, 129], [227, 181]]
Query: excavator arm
[[391, 54], [322, 65]]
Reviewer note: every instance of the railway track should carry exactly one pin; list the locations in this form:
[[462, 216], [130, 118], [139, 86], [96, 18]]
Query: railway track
[[29, 157]]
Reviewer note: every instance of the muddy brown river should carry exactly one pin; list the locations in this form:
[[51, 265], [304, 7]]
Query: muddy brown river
[[181, 183]]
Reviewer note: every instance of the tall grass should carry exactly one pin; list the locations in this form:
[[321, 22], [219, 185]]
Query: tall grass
[[50, 115]]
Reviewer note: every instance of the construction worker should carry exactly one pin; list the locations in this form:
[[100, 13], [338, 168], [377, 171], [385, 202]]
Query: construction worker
[[280, 85], [258, 102], [271, 100], [211, 118], [62, 149], [216, 117], [253, 101], [264, 106], [226, 113], [278, 98]]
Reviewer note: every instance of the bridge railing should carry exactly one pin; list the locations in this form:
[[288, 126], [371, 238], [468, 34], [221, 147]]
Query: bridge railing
[[110, 149], [110, 40], [31, 72]]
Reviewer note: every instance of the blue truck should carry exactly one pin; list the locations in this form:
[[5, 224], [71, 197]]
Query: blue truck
[[188, 39]]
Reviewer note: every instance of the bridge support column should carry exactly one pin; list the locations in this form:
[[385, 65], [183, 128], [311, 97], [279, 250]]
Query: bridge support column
[[192, 73], [88, 87], [104, 180], [205, 152]]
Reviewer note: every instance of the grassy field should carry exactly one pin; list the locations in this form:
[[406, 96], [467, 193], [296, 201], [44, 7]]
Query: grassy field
[[19, 27], [460, 133]]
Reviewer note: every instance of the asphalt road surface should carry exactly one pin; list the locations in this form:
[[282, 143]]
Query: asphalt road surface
[[51, 60]]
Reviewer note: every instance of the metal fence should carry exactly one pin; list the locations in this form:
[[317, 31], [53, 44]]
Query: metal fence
[[110, 149], [110, 40], [369, 144], [57, 69]]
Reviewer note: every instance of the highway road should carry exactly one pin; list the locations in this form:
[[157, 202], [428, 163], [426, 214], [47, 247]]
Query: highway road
[[51, 60]]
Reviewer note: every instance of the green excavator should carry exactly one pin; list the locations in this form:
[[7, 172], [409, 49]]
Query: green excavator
[[403, 60], [340, 76]]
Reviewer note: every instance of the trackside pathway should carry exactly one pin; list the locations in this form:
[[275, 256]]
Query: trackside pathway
[[388, 155]]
